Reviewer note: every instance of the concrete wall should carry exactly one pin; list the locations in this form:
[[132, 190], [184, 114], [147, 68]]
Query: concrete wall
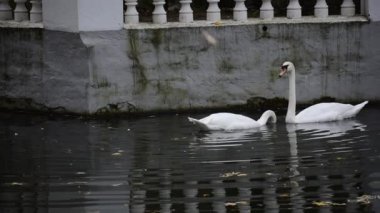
[[177, 68]]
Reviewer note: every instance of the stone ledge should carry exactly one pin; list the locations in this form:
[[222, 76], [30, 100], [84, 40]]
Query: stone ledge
[[18, 24], [203, 23], [251, 21]]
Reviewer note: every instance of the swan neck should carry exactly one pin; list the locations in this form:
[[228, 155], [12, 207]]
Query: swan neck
[[291, 113], [269, 114]]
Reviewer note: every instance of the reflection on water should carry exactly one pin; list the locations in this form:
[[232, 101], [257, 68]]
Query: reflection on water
[[162, 164]]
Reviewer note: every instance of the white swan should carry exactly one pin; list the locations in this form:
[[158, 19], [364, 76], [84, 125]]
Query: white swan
[[231, 121], [322, 112]]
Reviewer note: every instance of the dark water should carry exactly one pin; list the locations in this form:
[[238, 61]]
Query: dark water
[[162, 164]]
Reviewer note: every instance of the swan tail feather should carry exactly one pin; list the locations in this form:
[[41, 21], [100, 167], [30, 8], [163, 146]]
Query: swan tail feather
[[198, 123], [355, 110]]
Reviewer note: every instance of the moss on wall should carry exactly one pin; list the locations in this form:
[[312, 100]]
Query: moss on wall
[[138, 68]]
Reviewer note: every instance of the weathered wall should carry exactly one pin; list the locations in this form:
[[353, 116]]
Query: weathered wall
[[43, 70], [176, 68]]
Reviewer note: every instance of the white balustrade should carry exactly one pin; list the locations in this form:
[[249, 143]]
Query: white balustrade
[[321, 10], [5, 10], [159, 13], [240, 11], [266, 10], [20, 12], [185, 13], [213, 11], [294, 9], [36, 11], [347, 8], [131, 15]]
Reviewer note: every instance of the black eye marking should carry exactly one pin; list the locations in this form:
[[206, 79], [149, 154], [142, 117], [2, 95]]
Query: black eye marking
[[284, 66]]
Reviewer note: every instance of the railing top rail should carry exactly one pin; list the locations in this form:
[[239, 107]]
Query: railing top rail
[[255, 21]]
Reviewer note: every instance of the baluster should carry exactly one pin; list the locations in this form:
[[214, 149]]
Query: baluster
[[5, 10], [347, 8], [213, 11], [240, 11], [294, 9], [36, 11], [20, 12], [185, 13], [266, 10], [321, 10], [131, 15], [159, 13]]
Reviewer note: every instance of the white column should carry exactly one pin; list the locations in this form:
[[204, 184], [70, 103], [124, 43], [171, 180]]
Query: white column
[[213, 11], [5, 10], [159, 13], [347, 8], [131, 15], [294, 9], [83, 15], [321, 10], [240, 11], [185, 13], [36, 11], [266, 10], [20, 12]]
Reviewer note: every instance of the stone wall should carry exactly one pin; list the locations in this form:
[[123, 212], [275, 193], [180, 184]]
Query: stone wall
[[178, 68]]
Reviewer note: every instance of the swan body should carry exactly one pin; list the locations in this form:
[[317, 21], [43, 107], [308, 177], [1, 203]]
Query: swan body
[[230, 121], [322, 112]]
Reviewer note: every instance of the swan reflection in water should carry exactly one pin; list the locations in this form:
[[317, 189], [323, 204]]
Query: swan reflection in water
[[297, 174], [219, 139], [326, 130]]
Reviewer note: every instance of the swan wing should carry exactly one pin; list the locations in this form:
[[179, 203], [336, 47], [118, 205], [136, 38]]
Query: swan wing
[[324, 112]]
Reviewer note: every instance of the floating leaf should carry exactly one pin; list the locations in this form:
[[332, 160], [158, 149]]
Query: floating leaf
[[231, 174], [327, 203]]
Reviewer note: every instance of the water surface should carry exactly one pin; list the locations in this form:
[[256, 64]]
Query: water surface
[[163, 164]]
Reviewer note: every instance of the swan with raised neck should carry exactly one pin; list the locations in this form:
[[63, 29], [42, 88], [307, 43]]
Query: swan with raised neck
[[322, 112]]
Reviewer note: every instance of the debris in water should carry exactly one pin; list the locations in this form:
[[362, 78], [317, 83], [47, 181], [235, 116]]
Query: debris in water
[[231, 174]]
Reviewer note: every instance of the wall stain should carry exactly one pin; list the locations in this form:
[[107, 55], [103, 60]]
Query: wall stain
[[138, 69]]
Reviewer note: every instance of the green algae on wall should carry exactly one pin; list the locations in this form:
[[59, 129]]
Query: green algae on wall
[[138, 69]]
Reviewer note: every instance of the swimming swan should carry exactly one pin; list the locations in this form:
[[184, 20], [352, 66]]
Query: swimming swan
[[322, 112], [231, 121]]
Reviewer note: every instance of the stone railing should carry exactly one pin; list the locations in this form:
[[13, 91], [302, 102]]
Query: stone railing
[[21, 10], [98, 15], [239, 11]]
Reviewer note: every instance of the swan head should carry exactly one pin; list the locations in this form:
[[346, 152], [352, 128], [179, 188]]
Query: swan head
[[286, 68]]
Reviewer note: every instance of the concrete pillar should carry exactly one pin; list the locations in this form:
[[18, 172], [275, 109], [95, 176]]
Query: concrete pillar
[[5, 10], [20, 12], [213, 11], [186, 13], [373, 11], [294, 9], [240, 11], [36, 11], [266, 10], [321, 9], [82, 15], [347, 8], [131, 14]]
